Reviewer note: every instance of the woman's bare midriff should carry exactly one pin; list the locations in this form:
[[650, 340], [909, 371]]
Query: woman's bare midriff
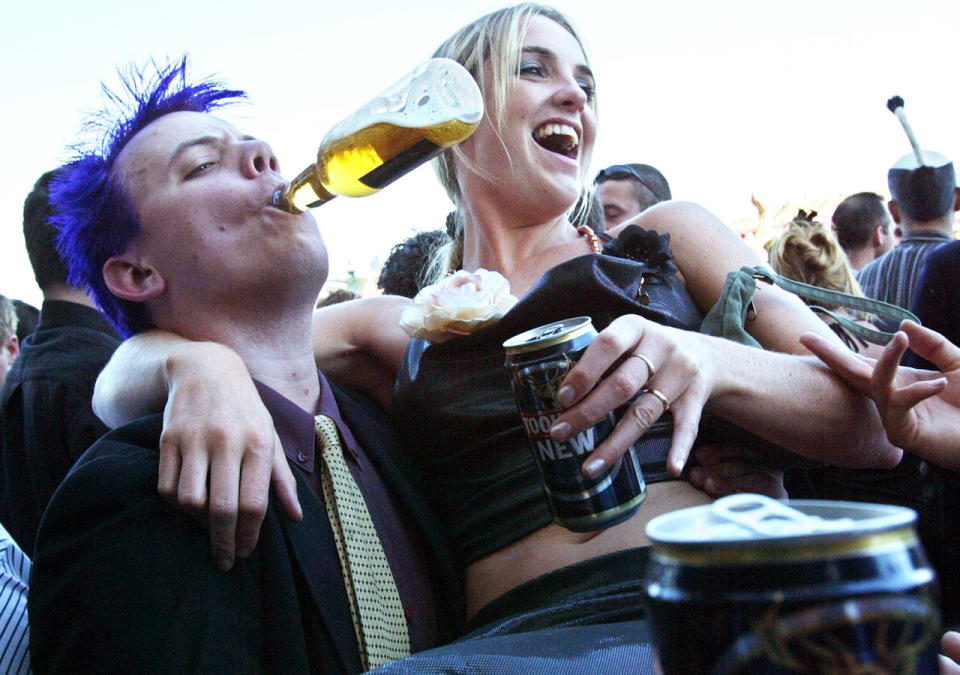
[[553, 546]]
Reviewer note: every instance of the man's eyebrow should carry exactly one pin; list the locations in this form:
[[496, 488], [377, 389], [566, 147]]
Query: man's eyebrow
[[209, 139], [192, 143], [549, 54]]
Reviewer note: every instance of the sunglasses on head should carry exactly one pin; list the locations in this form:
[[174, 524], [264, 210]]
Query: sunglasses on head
[[623, 172], [618, 172]]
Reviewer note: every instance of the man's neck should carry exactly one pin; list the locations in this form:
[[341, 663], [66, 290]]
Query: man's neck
[[279, 355], [273, 340], [861, 257], [67, 293], [294, 378], [943, 225]]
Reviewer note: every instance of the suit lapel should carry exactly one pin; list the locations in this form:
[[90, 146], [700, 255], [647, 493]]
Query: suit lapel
[[313, 548]]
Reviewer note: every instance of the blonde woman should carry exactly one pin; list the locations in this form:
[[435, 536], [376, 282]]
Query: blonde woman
[[808, 252]]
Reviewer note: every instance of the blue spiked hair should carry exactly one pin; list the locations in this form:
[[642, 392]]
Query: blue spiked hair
[[92, 211]]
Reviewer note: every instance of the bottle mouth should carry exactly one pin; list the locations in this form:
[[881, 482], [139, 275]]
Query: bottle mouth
[[280, 201]]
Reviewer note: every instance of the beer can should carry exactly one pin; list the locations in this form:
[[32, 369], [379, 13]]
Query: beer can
[[538, 360], [804, 586]]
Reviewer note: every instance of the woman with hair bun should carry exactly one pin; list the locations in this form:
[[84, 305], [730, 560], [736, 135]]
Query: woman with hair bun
[[808, 252]]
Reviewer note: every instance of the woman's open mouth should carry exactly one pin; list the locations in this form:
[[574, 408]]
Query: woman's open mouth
[[559, 138]]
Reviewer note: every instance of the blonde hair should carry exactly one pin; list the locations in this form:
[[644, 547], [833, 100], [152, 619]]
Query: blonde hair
[[809, 252], [496, 38], [8, 318]]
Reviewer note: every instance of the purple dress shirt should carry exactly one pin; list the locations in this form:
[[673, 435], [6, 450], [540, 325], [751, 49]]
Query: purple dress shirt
[[405, 552]]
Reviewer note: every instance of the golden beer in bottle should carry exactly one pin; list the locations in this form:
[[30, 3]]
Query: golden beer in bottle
[[432, 108]]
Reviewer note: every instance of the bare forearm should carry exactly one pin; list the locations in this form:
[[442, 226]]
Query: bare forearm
[[134, 383], [797, 403], [137, 379]]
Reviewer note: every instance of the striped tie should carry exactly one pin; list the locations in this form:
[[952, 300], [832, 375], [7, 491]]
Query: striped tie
[[378, 617]]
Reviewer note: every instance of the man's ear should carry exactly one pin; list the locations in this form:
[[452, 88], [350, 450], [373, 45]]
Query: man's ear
[[130, 279], [894, 210], [956, 199], [878, 235]]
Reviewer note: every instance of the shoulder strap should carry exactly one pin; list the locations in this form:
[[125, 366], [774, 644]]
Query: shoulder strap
[[859, 303]]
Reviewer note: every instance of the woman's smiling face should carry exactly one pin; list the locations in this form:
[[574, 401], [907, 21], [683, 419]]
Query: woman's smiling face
[[549, 124]]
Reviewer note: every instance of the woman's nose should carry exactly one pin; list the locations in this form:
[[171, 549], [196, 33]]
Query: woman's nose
[[571, 94]]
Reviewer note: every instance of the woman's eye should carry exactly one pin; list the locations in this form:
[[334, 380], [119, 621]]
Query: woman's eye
[[197, 170], [589, 89], [531, 68]]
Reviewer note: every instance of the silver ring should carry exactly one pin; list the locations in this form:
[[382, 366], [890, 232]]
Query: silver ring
[[659, 395], [653, 371]]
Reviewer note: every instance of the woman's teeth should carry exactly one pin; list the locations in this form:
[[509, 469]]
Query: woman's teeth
[[559, 138]]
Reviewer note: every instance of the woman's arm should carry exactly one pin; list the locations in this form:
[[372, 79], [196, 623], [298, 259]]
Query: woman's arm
[[360, 344], [215, 425], [788, 399], [214, 422]]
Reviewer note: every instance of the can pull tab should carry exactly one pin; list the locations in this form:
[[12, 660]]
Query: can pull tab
[[768, 517]]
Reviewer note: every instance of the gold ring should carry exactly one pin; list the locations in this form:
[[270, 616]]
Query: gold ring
[[650, 367], [659, 395]]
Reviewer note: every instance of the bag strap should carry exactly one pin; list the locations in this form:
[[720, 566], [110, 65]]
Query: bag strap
[[859, 303]]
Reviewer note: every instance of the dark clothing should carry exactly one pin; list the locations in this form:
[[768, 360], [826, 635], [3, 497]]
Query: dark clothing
[[937, 304], [937, 299], [46, 421], [404, 550], [122, 582], [590, 617], [893, 276], [456, 410]]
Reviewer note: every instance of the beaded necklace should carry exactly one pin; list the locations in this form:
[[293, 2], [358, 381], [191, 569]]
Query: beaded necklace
[[592, 238]]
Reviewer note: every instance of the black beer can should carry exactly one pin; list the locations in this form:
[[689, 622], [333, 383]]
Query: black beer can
[[801, 586], [538, 360]]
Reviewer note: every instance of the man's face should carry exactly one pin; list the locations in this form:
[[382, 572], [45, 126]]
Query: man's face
[[887, 239], [202, 193], [9, 349], [619, 201]]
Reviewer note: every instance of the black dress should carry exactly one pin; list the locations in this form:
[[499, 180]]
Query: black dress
[[455, 409]]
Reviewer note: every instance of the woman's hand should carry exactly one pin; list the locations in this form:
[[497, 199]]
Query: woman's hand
[[216, 425], [615, 368], [920, 409], [950, 653], [726, 469]]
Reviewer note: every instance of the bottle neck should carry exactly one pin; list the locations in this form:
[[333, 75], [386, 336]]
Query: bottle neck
[[305, 191]]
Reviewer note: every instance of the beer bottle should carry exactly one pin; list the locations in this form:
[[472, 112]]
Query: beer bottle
[[430, 109]]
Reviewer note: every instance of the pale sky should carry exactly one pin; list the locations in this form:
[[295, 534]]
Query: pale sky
[[785, 100]]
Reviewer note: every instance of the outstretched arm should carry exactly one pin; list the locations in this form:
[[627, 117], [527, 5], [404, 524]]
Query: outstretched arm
[[777, 393], [920, 409]]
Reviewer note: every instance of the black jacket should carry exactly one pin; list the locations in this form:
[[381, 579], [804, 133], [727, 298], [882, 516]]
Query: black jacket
[[122, 582]]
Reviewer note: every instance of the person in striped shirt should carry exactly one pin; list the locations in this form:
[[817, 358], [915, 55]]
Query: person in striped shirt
[[923, 201]]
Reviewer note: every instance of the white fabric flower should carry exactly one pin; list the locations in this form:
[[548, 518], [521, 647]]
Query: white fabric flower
[[457, 305]]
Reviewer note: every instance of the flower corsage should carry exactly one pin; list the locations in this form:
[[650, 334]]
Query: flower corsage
[[457, 305]]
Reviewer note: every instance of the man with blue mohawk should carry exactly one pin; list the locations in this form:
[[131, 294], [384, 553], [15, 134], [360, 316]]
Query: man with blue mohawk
[[170, 224]]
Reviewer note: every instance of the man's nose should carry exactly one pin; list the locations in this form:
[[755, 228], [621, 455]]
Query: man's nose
[[258, 157]]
